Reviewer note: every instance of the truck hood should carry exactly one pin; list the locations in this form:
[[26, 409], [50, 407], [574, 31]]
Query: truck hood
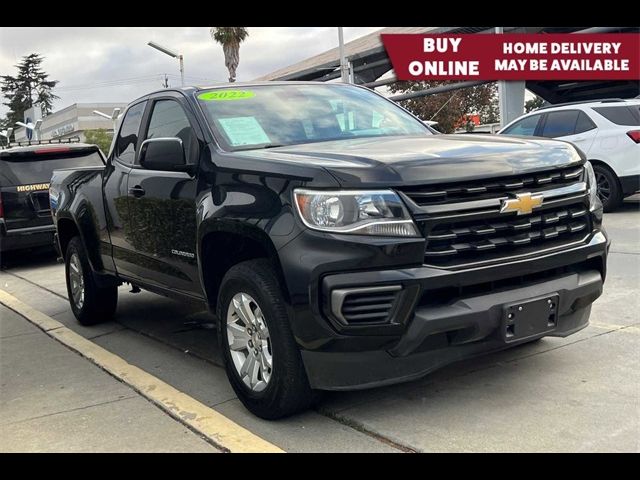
[[407, 160]]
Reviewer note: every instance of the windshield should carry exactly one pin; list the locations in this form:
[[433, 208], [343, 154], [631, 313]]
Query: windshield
[[275, 115]]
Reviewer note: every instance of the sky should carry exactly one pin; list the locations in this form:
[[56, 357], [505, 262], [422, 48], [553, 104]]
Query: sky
[[115, 64]]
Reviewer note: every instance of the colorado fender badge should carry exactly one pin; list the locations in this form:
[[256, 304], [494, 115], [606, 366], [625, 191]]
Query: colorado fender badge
[[180, 253]]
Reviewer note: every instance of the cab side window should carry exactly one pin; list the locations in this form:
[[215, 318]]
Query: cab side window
[[169, 120], [560, 124], [526, 126], [584, 123], [127, 140]]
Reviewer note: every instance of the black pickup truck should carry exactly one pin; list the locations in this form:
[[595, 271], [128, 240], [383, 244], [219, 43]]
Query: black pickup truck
[[340, 242], [25, 171]]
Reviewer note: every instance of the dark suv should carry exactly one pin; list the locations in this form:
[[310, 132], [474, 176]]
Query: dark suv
[[341, 244], [25, 173]]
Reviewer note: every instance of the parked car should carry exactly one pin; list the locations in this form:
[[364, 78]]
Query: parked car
[[25, 172], [607, 131], [341, 244]]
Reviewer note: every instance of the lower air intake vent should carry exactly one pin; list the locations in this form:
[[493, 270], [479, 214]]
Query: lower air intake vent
[[358, 306]]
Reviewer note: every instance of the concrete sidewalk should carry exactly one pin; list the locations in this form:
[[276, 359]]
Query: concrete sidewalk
[[53, 400]]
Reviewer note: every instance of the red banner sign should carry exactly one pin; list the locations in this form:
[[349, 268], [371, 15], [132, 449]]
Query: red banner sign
[[598, 56]]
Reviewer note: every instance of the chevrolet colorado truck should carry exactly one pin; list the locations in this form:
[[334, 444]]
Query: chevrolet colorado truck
[[339, 241]]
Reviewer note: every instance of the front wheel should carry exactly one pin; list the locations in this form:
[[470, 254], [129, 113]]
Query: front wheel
[[90, 303], [609, 190], [261, 357]]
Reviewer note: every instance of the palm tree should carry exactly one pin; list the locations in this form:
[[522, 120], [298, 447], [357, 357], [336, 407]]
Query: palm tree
[[230, 39]]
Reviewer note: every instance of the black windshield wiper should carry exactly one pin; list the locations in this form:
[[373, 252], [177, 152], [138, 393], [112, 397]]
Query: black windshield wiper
[[269, 145], [273, 145]]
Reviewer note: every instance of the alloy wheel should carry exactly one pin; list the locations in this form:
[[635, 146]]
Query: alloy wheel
[[76, 280], [249, 342], [604, 187]]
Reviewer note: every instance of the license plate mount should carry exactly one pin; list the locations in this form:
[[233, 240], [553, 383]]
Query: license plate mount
[[530, 318]]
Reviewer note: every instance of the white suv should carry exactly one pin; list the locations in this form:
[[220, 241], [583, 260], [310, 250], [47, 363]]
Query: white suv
[[607, 131]]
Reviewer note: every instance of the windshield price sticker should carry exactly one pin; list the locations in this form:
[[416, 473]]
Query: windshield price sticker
[[244, 131], [224, 95]]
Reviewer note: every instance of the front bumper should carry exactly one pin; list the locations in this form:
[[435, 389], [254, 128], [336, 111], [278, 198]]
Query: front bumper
[[438, 336], [436, 329]]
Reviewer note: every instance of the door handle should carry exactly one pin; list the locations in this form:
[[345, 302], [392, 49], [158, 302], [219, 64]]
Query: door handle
[[137, 191]]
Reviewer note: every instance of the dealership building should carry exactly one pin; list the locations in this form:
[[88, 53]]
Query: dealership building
[[73, 121]]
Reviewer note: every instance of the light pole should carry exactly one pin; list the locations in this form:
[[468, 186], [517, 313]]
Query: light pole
[[113, 117], [344, 66], [173, 54]]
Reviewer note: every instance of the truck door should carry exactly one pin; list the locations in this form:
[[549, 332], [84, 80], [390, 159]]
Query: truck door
[[162, 204], [116, 196]]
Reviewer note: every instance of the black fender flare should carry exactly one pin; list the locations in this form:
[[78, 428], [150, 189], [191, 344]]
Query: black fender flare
[[239, 228]]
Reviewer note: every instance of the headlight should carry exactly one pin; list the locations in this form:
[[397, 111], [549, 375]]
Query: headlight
[[357, 212], [592, 183]]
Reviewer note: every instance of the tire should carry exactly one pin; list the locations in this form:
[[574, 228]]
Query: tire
[[96, 304], [278, 391], [609, 189]]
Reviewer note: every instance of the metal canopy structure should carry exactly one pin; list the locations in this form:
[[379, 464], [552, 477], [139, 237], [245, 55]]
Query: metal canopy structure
[[367, 56], [565, 91], [369, 61]]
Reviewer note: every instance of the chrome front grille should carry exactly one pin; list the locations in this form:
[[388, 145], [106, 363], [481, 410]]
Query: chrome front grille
[[491, 188], [463, 224], [496, 236]]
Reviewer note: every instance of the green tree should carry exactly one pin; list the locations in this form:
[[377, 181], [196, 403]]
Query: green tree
[[31, 85], [533, 104], [100, 137], [230, 38], [449, 108]]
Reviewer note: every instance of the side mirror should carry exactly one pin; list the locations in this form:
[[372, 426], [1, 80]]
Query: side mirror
[[166, 154]]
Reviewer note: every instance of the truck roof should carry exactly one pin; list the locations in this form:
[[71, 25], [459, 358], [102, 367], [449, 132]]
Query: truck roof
[[191, 89]]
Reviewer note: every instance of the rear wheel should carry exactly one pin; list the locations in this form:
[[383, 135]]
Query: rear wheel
[[261, 357], [609, 190], [90, 303]]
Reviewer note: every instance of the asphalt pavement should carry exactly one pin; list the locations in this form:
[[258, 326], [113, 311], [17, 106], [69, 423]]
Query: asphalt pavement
[[580, 393]]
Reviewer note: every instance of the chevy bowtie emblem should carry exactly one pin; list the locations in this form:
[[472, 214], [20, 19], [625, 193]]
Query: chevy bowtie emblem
[[524, 203]]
